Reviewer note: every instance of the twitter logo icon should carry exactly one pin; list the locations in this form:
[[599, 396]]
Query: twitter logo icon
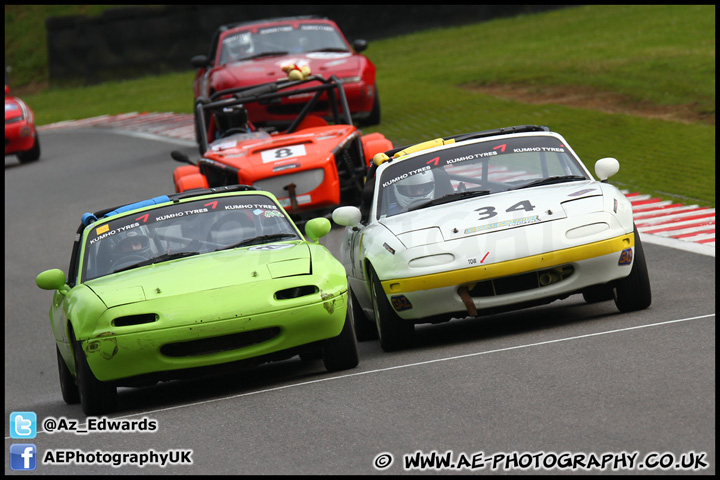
[[23, 425]]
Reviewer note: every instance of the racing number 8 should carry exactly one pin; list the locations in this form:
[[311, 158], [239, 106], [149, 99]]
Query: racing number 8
[[283, 152]]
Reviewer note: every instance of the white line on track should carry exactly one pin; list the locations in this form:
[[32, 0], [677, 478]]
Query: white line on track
[[408, 365]]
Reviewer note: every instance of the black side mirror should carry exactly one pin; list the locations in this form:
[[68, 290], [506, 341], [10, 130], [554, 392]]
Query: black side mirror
[[359, 45], [200, 61], [181, 157]]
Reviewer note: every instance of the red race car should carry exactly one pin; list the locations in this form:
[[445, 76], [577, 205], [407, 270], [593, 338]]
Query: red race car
[[312, 165], [252, 53], [21, 138]]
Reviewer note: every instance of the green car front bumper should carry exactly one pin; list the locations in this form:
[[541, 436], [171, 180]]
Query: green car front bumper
[[208, 341]]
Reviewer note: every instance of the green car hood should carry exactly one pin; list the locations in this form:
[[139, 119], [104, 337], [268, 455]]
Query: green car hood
[[203, 272]]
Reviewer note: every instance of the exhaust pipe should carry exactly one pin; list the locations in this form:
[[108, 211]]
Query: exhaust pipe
[[548, 278]]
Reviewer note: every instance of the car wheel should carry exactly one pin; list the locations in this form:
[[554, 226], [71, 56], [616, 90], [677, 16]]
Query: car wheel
[[394, 332], [31, 155], [341, 352], [374, 117], [633, 292], [96, 397], [68, 387], [598, 293], [364, 329]]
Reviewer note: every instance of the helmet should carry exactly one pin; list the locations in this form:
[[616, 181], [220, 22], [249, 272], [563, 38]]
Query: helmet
[[231, 118], [416, 187], [239, 46], [133, 244]]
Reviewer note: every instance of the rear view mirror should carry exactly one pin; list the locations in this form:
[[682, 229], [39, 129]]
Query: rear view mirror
[[347, 216], [606, 168], [317, 228]]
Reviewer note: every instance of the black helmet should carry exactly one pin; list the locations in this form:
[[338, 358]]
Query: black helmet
[[133, 244]]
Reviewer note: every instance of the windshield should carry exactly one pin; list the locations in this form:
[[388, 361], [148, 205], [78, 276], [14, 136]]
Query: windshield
[[281, 40], [183, 229], [475, 169]]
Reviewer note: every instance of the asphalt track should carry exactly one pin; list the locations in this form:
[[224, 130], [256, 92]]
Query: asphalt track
[[567, 380]]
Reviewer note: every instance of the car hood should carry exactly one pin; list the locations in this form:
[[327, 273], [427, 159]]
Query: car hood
[[268, 69], [203, 272], [487, 214]]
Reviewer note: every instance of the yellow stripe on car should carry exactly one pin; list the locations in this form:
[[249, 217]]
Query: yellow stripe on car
[[511, 267]]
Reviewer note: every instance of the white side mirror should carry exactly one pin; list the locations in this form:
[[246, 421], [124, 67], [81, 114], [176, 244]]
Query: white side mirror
[[346, 216], [606, 168]]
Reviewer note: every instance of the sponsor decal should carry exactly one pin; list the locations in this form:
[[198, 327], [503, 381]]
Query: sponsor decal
[[625, 257], [506, 223], [400, 303], [581, 192], [277, 246]]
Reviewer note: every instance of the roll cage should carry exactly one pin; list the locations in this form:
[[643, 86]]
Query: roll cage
[[274, 91]]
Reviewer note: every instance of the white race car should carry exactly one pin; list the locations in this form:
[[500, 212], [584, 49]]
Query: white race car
[[486, 222]]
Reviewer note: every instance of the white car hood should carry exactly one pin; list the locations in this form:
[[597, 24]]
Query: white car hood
[[487, 214]]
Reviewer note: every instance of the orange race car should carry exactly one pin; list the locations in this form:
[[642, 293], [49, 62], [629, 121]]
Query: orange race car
[[315, 164]]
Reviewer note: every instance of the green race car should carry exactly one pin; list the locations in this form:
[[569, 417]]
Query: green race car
[[176, 285]]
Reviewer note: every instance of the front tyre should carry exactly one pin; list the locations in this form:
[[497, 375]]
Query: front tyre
[[96, 397], [68, 387], [31, 155], [374, 117], [394, 332], [341, 352], [633, 292]]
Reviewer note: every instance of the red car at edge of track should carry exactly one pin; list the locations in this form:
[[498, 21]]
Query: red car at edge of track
[[21, 138]]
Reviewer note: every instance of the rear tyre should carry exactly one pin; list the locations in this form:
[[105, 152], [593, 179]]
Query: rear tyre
[[394, 332], [341, 352], [633, 292], [96, 397], [598, 293], [68, 387]]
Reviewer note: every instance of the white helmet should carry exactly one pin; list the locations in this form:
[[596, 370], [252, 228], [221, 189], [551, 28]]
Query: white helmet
[[239, 46], [416, 187]]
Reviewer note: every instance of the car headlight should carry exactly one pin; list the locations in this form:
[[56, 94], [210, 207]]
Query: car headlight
[[431, 260], [586, 230]]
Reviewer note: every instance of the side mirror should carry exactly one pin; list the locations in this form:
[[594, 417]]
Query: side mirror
[[52, 280], [317, 228], [180, 157], [347, 216], [359, 45], [199, 61], [606, 168]]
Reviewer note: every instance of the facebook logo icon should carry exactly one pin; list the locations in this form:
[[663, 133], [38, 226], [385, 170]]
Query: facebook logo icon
[[23, 425], [23, 456]]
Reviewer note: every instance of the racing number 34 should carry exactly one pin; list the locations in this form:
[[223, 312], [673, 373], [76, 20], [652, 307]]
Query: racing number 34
[[489, 212]]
